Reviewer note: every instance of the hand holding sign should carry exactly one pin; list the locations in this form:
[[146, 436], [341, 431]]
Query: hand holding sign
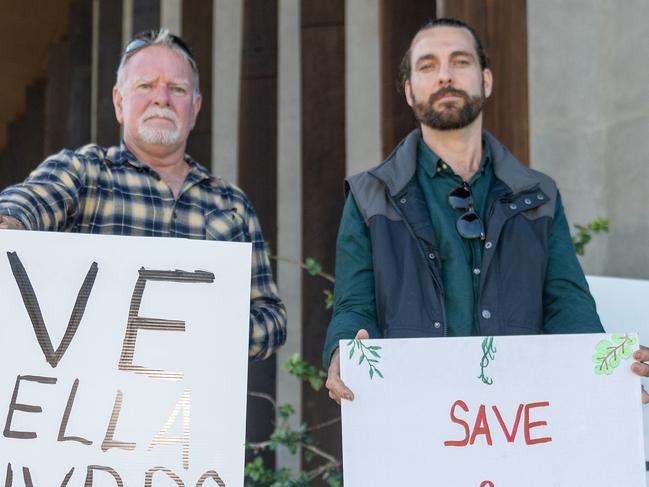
[[337, 388]]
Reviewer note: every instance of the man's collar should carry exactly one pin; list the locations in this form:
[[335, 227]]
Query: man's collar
[[399, 168], [121, 155], [434, 165]]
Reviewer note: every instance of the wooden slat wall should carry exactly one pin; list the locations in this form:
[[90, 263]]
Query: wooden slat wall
[[197, 32], [323, 162], [80, 48], [399, 22], [146, 15], [502, 26], [109, 51], [258, 171]]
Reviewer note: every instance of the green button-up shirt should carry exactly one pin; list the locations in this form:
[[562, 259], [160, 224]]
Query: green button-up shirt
[[566, 298]]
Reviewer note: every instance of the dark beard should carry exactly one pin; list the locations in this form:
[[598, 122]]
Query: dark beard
[[450, 118]]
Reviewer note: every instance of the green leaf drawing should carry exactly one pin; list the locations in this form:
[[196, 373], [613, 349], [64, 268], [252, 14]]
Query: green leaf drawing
[[488, 354], [367, 354], [609, 354]]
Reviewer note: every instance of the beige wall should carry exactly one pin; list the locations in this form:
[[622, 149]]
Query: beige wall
[[589, 120]]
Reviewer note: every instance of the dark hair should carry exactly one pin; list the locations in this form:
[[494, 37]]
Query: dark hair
[[405, 66]]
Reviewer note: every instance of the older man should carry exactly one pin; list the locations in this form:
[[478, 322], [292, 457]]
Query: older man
[[451, 235], [148, 185]]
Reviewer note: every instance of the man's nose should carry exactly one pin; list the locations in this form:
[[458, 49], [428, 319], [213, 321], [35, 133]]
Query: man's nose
[[161, 95], [445, 75]]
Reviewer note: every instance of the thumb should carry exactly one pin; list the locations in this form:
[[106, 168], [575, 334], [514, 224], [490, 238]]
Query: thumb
[[362, 334]]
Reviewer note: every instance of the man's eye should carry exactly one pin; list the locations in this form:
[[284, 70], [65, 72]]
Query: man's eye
[[426, 67], [179, 90], [462, 62], [145, 86]]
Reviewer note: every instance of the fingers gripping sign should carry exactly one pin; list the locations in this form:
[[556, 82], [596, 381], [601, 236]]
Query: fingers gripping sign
[[335, 385], [640, 367]]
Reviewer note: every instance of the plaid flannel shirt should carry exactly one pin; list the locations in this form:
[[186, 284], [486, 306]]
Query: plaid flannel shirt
[[108, 191]]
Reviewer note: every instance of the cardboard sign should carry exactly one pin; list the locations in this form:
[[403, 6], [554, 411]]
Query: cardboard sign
[[123, 360], [503, 411]]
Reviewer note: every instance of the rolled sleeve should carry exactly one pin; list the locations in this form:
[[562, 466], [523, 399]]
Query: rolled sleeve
[[48, 199]]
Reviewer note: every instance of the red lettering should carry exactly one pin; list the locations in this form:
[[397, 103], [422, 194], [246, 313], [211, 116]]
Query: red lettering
[[529, 425], [481, 427], [509, 436], [464, 424], [487, 483]]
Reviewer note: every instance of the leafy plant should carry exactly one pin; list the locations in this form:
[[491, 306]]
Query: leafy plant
[[586, 232], [321, 464]]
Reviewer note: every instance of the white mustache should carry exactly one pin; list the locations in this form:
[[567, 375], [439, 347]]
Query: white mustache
[[161, 113]]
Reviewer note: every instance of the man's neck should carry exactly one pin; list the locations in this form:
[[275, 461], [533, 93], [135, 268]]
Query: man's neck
[[168, 162], [461, 149]]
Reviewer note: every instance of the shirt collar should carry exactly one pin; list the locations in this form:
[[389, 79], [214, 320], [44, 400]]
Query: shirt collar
[[121, 155], [434, 165]]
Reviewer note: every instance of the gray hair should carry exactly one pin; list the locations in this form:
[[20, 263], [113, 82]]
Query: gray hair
[[162, 38]]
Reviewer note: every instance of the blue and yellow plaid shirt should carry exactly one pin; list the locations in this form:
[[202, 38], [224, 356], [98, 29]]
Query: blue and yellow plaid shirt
[[108, 191]]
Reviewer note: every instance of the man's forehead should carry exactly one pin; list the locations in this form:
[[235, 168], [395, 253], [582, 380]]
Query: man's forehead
[[442, 38], [153, 61]]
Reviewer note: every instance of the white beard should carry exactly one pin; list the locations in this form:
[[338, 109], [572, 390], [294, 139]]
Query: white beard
[[159, 135]]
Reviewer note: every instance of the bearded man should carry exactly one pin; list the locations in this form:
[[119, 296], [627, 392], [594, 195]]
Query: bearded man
[[148, 185], [451, 235]]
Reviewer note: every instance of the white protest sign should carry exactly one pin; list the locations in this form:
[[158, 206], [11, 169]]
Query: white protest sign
[[505, 411], [123, 360]]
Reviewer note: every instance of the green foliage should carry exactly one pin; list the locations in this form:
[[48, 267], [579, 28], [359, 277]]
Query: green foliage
[[318, 463], [585, 233], [305, 371], [368, 354], [608, 355], [313, 267], [329, 298]]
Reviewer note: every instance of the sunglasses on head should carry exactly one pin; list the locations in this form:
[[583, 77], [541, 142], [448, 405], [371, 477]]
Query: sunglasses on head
[[147, 38], [469, 225]]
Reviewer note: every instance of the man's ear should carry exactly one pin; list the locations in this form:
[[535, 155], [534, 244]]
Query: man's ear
[[407, 90], [117, 104], [487, 82]]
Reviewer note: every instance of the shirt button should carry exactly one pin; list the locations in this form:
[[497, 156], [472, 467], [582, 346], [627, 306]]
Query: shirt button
[[174, 215], [403, 201], [540, 197], [486, 314], [431, 256], [513, 206], [528, 201], [476, 271], [437, 324], [488, 245]]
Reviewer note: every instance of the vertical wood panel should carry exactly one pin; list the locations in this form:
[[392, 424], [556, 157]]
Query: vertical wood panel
[[502, 26], [399, 23], [80, 48], [109, 51], [197, 32], [323, 162], [258, 171], [146, 15]]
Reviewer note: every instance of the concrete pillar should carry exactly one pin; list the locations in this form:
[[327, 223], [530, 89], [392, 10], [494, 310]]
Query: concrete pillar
[[289, 209], [362, 85]]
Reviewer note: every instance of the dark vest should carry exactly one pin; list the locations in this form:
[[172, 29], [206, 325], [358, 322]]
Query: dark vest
[[407, 276]]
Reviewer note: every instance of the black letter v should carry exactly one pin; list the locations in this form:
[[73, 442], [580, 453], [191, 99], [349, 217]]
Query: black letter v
[[34, 310]]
